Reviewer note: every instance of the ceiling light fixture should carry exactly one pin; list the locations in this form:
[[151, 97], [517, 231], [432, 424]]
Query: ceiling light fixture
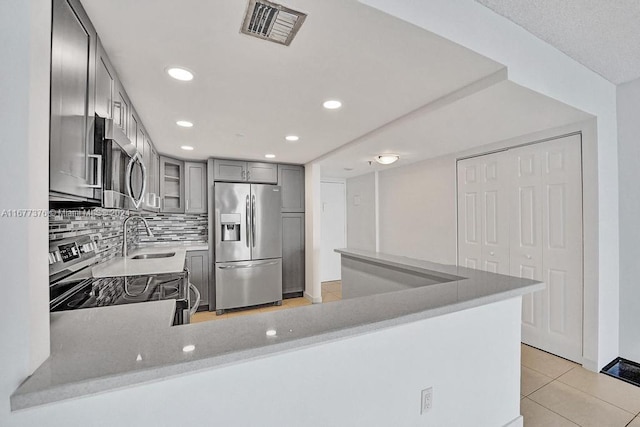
[[184, 124], [270, 156], [387, 159], [188, 348], [292, 138], [186, 147], [332, 104], [181, 74], [271, 332]]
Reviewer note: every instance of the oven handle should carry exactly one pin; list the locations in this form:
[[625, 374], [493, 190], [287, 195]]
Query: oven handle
[[194, 308]]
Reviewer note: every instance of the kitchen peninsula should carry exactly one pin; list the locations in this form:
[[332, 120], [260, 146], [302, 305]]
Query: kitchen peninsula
[[456, 305]]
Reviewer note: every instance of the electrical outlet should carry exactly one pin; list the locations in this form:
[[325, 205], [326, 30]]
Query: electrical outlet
[[427, 400]]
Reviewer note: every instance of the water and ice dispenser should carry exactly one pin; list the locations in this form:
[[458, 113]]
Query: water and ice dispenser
[[230, 227]]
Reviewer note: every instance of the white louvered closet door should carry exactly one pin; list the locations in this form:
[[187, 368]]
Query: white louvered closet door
[[546, 243], [483, 213]]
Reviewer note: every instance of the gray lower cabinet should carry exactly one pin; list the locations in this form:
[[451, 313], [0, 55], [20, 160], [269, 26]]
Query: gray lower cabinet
[[72, 166], [292, 252], [171, 185], [195, 185], [198, 265], [291, 181]]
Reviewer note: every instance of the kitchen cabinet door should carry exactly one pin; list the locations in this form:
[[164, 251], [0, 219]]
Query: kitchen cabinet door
[[105, 84], [265, 173], [198, 266], [152, 175], [195, 183], [172, 185], [291, 180], [292, 253], [73, 58], [121, 109], [229, 170]]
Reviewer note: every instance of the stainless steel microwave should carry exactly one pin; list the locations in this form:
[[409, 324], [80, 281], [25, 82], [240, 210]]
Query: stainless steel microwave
[[124, 175]]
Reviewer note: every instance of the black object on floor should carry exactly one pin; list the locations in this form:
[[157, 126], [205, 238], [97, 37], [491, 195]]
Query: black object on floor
[[624, 370]]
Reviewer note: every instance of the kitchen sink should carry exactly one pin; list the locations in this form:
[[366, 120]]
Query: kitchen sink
[[152, 256]]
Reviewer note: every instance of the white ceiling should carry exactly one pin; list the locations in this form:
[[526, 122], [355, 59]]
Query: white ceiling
[[248, 93], [602, 35], [499, 112]]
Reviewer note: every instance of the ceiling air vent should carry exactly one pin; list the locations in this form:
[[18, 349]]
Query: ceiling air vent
[[273, 22]]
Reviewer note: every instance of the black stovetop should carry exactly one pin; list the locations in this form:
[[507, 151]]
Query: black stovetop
[[100, 292]]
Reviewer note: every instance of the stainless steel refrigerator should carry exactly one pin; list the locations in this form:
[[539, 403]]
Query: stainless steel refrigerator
[[248, 245]]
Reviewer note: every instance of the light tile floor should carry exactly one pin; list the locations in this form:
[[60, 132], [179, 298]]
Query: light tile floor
[[557, 392], [554, 392], [331, 291]]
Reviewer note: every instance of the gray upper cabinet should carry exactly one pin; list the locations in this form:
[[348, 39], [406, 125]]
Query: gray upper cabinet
[[105, 84], [172, 185], [265, 173], [292, 252], [291, 180], [229, 170], [150, 162], [121, 108], [195, 184], [240, 171], [73, 58], [198, 266]]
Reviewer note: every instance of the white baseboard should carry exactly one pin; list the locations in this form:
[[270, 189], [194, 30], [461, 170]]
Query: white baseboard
[[317, 300], [590, 365], [517, 422]]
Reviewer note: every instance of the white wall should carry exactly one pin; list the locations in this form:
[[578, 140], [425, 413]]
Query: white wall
[[629, 156], [361, 212], [418, 210], [334, 227], [336, 384], [24, 149], [312, 232], [535, 64]]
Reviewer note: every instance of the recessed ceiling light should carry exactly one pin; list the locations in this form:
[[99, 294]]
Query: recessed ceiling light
[[184, 124], [180, 74], [271, 332], [186, 147], [332, 104], [188, 348], [270, 156], [387, 159], [292, 138]]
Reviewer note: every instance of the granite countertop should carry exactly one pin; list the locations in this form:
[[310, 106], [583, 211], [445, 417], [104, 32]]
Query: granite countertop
[[80, 338], [120, 266], [188, 246]]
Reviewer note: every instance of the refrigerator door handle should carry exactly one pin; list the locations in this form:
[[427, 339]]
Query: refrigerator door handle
[[247, 214], [253, 220], [234, 267]]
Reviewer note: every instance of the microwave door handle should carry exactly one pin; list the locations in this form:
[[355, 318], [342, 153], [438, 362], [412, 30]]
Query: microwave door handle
[[136, 158], [247, 217], [98, 159]]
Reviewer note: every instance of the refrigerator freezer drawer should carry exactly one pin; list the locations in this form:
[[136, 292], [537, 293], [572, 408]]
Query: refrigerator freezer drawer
[[246, 283]]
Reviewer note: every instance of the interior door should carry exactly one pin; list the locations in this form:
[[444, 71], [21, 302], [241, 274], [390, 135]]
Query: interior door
[[266, 230], [483, 213], [333, 229], [469, 213], [552, 319]]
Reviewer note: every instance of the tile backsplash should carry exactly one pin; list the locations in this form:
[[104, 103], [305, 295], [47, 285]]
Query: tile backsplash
[[103, 225], [105, 228], [182, 228]]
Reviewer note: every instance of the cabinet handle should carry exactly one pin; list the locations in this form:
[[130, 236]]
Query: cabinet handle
[[187, 204], [243, 174], [492, 253], [248, 175], [528, 256]]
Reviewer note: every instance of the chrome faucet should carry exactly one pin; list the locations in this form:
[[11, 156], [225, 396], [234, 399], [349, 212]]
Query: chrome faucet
[[124, 231]]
